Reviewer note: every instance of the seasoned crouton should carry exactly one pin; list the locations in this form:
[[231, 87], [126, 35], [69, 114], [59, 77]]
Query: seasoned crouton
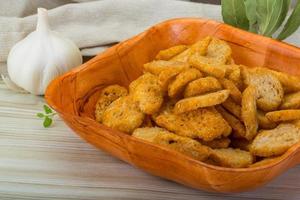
[[269, 89], [238, 129], [232, 107], [206, 123], [249, 113], [283, 115], [229, 157], [176, 87], [107, 96], [264, 122], [291, 101], [147, 93], [199, 47], [276, 141], [236, 77], [157, 66], [219, 49], [289, 82], [202, 86], [234, 92], [167, 76], [170, 52], [170, 140], [210, 66], [206, 100], [123, 114]]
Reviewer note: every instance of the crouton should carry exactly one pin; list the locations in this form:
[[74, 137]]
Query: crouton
[[229, 157], [201, 101], [276, 141], [107, 96], [170, 140]]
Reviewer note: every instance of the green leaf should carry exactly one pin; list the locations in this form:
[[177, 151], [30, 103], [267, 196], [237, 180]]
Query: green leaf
[[250, 8], [47, 122], [292, 24], [47, 109], [40, 115], [233, 12], [270, 15]]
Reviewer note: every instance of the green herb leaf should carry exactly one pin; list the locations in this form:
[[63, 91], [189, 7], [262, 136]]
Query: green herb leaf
[[292, 24], [47, 122], [233, 12], [250, 8], [40, 115], [47, 109], [270, 15]]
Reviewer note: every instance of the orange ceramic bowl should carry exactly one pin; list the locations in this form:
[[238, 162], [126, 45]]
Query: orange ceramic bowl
[[74, 95]]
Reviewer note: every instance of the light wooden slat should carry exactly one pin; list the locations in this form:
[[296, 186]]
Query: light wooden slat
[[39, 163]]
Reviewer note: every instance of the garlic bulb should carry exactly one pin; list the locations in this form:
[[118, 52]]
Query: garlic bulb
[[40, 57]]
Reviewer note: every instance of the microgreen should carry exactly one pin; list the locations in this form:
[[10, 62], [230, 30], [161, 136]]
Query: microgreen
[[46, 116]]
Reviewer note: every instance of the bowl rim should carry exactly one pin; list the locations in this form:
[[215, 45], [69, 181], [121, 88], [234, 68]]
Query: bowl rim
[[54, 84]]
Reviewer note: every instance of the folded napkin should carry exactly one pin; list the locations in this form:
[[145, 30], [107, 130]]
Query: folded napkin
[[96, 25]]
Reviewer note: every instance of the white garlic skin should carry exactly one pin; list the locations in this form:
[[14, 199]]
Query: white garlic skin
[[40, 57]]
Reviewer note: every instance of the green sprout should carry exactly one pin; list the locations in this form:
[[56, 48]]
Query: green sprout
[[47, 116]]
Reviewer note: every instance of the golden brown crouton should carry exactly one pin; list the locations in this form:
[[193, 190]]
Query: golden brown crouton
[[201, 86], [170, 52], [276, 141], [291, 101], [229, 157], [157, 66], [269, 89], [176, 87], [236, 78], [123, 114], [107, 96], [170, 140], [238, 129], [201, 101], [167, 76], [232, 107], [264, 122], [205, 123], [234, 92], [199, 47], [147, 93], [219, 49], [249, 113], [283, 115], [289, 82], [230, 68], [183, 56], [210, 66]]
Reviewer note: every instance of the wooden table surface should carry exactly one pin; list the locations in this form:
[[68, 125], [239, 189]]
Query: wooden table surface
[[54, 163]]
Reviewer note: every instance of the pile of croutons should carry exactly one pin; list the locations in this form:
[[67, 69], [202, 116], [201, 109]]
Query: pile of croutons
[[197, 101]]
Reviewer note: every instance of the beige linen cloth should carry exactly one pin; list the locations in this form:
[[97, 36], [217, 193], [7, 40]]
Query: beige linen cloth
[[95, 25]]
